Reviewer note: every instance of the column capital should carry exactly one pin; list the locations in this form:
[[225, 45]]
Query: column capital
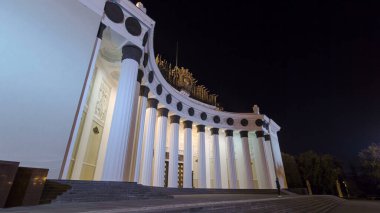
[[131, 52], [200, 128], [144, 91], [174, 119], [162, 112], [187, 124], [100, 30], [214, 131], [267, 137], [244, 134], [152, 103], [259, 134], [229, 133], [140, 75]]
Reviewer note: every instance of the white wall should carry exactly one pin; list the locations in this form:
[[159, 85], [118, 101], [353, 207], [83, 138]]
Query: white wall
[[45, 49]]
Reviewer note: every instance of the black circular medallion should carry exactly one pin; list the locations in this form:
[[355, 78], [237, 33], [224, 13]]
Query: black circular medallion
[[145, 39], [203, 116], [133, 26], [216, 119], [230, 121], [191, 111], [244, 122], [179, 106], [168, 99], [259, 122], [114, 12], [150, 76], [159, 89], [145, 60]]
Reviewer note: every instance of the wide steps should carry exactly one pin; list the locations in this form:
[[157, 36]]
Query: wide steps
[[95, 191]]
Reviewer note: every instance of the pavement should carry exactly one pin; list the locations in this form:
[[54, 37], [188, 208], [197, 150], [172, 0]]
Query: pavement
[[358, 206], [193, 201], [144, 205]]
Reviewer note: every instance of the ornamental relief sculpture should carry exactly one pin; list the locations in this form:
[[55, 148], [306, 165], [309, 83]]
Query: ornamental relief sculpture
[[102, 101], [182, 79]]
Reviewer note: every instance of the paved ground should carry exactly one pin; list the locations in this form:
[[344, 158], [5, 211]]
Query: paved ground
[[136, 205], [358, 206]]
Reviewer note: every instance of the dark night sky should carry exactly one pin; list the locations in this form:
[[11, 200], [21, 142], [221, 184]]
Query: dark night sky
[[312, 66]]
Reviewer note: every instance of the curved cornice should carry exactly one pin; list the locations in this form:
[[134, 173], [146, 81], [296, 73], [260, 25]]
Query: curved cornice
[[188, 102]]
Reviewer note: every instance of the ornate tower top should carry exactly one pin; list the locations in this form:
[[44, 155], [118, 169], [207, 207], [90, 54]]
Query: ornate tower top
[[256, 109], [182, 79]]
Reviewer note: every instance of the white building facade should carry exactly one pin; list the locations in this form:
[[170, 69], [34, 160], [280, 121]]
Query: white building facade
[[89, 102]]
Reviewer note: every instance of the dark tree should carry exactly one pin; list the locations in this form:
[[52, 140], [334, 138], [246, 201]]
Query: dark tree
[[322, 171], [369, 170], [293, 177]]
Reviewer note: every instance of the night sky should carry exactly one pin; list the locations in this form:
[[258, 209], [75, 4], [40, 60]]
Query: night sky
[[312, 66]]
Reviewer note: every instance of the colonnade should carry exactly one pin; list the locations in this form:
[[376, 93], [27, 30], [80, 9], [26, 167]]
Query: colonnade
[[141, 129], [160, 126]]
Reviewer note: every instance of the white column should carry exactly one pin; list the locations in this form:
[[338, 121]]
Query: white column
[[247, 159], [114, 164], [217, 170], [129, 162], [264, 182], [140, 131], [173, 151], [201, 156], [232, 176], [160, 148], [278, 159], [187, 155], [270, 161], [148, 142]]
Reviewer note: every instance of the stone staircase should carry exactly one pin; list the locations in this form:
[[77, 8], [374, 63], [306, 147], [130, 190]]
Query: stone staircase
[[190, 191], [62, 191], [71, 191], [92, 191], [52, 190]]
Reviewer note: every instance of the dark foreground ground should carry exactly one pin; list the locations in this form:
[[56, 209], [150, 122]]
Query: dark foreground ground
[[197, 203], [358, 206], [137, 205]]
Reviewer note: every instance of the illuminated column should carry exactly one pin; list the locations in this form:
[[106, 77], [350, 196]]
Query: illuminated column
[[270, 161], [114, 163], [187, 155], [215, 145], [140, 131], [247, 159], [148, 142], [129, 162], [232, 176], [173, 151], [160, 148], [201, 156], [279, 165], [262, 166]]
